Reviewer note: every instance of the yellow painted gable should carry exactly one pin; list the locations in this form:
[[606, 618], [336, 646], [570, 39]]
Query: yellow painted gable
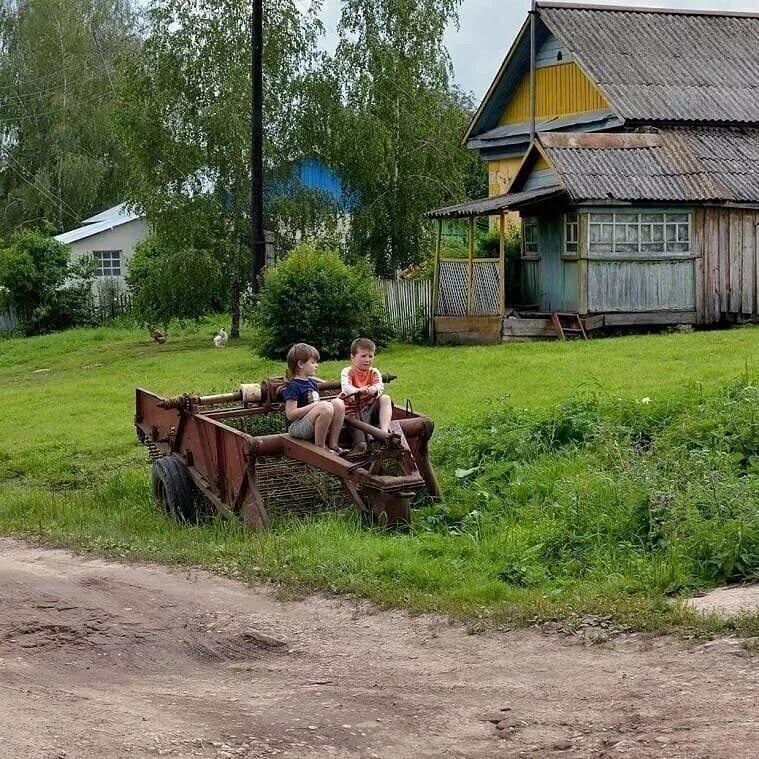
[[500, 174], [560, 90]]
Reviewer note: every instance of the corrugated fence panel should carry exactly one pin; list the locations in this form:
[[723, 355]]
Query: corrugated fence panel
[[407, 302], [8, 321], [641, 286]]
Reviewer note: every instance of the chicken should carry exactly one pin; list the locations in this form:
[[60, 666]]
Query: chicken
[[159, 337], [220, 338]]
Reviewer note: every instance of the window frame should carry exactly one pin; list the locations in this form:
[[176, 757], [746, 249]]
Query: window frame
[[531, 255], [636, 240], [571, 255], [114, 256]]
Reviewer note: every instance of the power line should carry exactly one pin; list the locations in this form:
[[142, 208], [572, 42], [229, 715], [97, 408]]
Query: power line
[[37, 116], [20, 96], [42, 190]]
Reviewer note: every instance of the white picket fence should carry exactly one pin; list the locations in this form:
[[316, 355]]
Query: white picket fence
[[407, 302]]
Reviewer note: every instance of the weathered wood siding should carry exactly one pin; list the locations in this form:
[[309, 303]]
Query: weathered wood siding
[[727, 243], [548, 280], [561, 89], [641, 286], [501, 172], [640, 261], [531, 281]]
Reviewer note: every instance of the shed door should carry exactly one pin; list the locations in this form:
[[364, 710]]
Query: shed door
[[551, 264]]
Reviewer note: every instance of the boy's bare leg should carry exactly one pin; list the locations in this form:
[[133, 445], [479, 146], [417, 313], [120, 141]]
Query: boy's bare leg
[[321, 416], [336, 424], [385, 412], [359, 441]]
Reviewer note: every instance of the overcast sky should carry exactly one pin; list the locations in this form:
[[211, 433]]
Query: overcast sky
[[488, 27]]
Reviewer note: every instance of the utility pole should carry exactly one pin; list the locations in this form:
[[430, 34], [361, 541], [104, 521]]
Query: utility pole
[[257, 239]]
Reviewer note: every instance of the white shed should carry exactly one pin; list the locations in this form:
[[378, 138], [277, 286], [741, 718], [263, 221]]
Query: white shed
[[110, 238]]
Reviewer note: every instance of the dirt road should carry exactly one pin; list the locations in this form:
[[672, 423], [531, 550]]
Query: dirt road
[[108, 660]]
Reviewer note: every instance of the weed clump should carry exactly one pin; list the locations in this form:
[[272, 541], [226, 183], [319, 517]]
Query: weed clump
[[609, 496]]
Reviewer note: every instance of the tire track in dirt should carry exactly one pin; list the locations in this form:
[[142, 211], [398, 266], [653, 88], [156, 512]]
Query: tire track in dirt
[[112, 660]]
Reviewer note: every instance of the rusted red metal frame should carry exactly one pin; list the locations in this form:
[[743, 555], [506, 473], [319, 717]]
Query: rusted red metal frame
[[221, 460]]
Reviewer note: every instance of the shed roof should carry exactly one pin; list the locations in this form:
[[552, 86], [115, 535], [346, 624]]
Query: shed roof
[[679, 164], [659, 64], [495, 205], [518, 135], [101, 222]]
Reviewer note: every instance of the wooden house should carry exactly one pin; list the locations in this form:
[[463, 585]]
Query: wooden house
[[627, 139]]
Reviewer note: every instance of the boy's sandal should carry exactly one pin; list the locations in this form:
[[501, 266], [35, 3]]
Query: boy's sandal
[[338, 451]]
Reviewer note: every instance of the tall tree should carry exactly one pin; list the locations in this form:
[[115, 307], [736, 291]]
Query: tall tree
[[396, 135], [60, 158], [186, 118]]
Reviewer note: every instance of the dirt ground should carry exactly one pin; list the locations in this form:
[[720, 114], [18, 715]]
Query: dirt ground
[[109, 660]]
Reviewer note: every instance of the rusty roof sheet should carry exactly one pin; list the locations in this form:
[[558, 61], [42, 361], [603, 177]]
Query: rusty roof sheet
[[664, 65], [494, 205], [676, 164]]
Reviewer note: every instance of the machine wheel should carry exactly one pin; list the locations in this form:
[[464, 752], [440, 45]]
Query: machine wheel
[[174, 490]]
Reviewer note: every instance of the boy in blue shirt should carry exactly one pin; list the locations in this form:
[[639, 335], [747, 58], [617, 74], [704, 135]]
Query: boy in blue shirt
[[311, 419]]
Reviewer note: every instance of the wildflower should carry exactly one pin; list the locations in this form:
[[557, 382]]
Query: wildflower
[[645, 400]]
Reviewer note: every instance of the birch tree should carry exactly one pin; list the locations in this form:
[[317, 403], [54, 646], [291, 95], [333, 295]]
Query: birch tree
[[60, 159], [186, 119], [396, 135]]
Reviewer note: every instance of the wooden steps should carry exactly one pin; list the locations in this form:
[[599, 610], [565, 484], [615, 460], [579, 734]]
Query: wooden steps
[[568, 325], [526, 326]]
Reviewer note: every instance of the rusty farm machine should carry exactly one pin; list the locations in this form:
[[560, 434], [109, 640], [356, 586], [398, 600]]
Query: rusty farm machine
[[229, 453]]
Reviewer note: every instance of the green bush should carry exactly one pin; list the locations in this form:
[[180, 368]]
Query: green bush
[[315, 297], [488, 245], [169, 283], [46, 290]]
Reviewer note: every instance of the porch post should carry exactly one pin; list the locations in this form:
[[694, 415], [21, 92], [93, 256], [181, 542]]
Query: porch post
[[501, 267], [435, 279], [470, 281]]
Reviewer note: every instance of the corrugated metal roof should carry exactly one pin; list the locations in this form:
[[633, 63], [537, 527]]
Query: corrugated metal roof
[[495, 205], [676, 164], [116, 213], [666, 65], [91, 227], [508, 134]]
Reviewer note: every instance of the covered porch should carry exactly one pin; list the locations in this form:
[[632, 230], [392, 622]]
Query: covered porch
[[469, 295]]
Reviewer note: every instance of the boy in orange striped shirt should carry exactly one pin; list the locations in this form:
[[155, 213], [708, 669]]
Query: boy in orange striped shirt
[[364, 392]]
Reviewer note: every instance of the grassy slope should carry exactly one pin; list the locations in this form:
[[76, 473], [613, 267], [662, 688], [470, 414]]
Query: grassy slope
[[71, 471]]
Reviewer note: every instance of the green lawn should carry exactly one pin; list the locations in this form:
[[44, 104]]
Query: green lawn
[[72, 472]]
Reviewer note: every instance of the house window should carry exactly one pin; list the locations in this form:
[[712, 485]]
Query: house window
[[571, 235], [639, 235], [108, 263], [530, 236]]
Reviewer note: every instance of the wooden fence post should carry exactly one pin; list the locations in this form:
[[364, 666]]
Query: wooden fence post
[[435, 279], [470, 281], [501, 267]]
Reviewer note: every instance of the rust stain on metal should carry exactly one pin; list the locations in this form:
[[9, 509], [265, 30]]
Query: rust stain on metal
[[221, 461]]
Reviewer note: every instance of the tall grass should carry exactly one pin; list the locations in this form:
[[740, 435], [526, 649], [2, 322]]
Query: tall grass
[[621, 496], [604, 477]]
